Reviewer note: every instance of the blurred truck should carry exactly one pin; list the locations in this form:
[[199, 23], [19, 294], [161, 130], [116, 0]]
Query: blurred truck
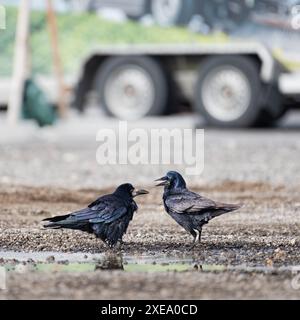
[[232, 84], [222, 14], [175, 12]]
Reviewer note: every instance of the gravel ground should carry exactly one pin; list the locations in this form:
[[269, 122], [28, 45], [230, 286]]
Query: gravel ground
[[190, 285], [48, 172], [264, 233]]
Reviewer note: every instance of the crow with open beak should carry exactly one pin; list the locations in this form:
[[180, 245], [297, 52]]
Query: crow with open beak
[[190, 210]]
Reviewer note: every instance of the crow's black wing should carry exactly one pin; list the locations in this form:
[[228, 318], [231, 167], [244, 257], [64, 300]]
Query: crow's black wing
[[101, 201], [108, 215], [106, 210], [189, 202]]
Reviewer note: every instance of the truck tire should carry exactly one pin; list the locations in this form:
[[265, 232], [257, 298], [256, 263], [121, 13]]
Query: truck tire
[[227, 91], [273, 108], [173, 12], [268, 120], [130, 88]]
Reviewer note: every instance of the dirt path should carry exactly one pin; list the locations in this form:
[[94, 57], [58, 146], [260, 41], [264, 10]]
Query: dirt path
[[265, 232]]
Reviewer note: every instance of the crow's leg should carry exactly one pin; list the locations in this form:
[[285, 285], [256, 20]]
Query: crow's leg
[[121, 242], [114, 248], [193, 245], [117, 246], [195, 234], [199, 236], [110, 245]]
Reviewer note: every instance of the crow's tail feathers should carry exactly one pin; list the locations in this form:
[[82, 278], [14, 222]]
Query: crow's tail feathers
[[226, 208], [79, 220], [57, 218], [232, 207], [65, 221], [55, 222]]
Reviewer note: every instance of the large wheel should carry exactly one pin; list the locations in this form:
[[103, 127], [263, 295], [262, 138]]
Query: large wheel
[[130, 88], [173, 12], [228, 91]]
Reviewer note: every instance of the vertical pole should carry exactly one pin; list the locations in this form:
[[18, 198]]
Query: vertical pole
[[58, 68], [20, 66]]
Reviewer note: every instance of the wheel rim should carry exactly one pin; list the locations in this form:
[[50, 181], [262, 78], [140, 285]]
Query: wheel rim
[[129, 92], [166, 11], [226, 93]]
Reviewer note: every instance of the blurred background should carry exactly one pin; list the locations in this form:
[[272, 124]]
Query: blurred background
[[70, 68], [232, 63]]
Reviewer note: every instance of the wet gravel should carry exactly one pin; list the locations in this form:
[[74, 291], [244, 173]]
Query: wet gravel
[[265, 232]]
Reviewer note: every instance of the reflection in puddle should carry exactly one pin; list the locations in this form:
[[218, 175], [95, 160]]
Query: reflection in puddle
[[110, 262], [105, 265], [78, 262]]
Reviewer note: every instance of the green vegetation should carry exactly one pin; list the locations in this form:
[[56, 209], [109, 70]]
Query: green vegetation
[[78, 34]]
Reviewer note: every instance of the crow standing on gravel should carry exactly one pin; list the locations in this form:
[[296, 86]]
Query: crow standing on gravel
[[107, 217], [189, 209]]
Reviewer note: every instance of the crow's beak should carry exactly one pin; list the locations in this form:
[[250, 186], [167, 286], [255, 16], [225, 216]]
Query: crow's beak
[[139, 192], [164, 182]]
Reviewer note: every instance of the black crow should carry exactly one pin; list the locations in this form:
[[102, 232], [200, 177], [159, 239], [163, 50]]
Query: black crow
[[189, 209], [107, 217]]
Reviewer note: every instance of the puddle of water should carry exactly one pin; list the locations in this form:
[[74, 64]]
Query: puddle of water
[[43, 256], [91, 267], [79, 262]]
